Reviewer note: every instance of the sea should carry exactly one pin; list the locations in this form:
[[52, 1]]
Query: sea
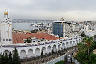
[[26, 24]]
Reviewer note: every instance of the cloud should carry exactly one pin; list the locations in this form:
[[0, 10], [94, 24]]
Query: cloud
[[70, 9]]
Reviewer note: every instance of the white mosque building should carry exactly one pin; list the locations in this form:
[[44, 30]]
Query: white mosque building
[[6, 29], [32, 49]]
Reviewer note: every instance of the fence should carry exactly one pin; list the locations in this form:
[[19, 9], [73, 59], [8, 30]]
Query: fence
[[56, 60], [60, 59]]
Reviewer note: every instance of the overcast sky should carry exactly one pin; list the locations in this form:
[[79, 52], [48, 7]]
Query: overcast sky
[[69, 9]]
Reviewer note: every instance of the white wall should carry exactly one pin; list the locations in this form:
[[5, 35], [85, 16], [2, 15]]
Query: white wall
[[36, 50]]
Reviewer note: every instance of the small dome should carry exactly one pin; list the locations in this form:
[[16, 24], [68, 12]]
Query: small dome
[[6, 13]]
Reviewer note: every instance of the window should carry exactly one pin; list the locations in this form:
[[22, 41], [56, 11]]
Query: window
[[33, 41], [70, 42], [66, 42], [6, 39], [9, 39], [3, 39], [73, 41], [79, 40], [63, 44], [60, 42], [38, 41]]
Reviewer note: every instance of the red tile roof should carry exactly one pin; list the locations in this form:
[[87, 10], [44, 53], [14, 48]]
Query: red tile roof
[[18, 37]]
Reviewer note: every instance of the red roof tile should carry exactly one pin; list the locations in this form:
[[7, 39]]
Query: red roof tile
[[18, 37]]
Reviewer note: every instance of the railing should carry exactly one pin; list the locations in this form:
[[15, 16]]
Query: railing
[[56, 60], [60, 59]]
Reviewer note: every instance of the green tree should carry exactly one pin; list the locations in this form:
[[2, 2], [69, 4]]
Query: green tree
[[53, 51], [82, 57], [85, 51], [34, 31], [10, 58], [5, 58], [16, 59], [88, 41], [92, 58], [28, 40], [65, 58], [2, 59], [42, 53]]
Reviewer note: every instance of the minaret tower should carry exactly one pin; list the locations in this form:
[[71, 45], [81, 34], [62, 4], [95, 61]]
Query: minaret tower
[[6, 29]]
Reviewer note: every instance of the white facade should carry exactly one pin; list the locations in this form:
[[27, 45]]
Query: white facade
[[6, 30], [33, 50], [86, 28]]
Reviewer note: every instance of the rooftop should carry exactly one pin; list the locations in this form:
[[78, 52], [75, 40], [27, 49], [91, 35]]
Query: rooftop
[[19, 37]]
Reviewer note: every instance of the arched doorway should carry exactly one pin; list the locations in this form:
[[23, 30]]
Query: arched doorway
[[37, 52], [54, 48], [23, 54], [30, 53], [44, 50], [6, 52], [59, 47], [49, 49], [63, 45]]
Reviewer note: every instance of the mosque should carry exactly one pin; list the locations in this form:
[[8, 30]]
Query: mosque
[[33, 49]]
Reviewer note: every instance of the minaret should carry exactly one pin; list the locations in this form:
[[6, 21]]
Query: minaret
[[6, 13], [6, 29]]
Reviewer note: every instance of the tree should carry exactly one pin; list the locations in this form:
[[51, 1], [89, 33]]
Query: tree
[[16, 59], [28, 40], [34, 31], [92, 58], [88, 41], [53, 51], [82, 56], [10, 58], [65, 58], [2, 59], [42, 53], [93, 46], [85, 51]]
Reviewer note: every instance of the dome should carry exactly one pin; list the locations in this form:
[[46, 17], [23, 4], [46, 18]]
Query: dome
[[6, 13]]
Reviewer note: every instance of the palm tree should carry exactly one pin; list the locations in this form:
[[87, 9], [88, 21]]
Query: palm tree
[[88, 42], [28, 40]]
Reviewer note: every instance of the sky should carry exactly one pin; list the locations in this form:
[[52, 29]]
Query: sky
[[68, 9]]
